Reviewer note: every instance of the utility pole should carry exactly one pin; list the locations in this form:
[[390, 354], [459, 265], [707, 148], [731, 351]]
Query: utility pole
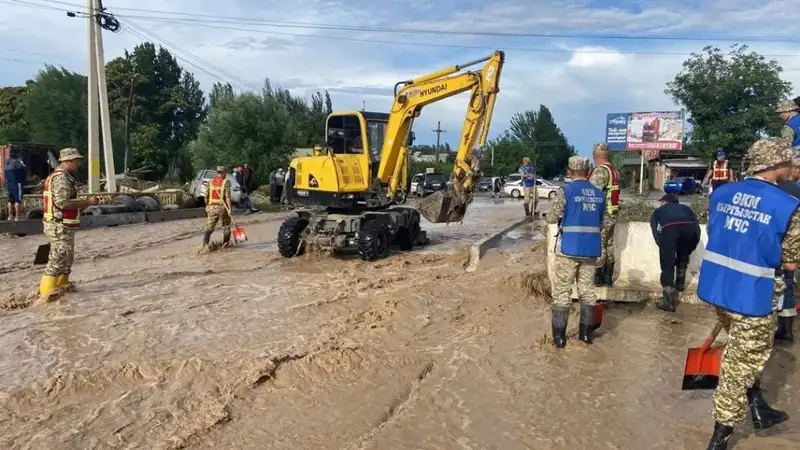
[[363, 105], [98, 99], [438, 132]]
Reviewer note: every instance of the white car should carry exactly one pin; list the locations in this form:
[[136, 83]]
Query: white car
[[544, 189], [199, 186]]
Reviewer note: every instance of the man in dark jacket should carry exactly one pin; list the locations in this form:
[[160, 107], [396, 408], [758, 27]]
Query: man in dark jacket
[[15, 174], [677, 233]]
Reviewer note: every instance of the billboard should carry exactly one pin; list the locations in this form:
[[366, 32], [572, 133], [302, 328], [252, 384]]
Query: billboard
[[645, 131]]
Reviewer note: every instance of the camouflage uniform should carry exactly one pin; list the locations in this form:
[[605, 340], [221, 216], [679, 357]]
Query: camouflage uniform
[[788, 106], [62, 239], [600, 178], [568, 270], [218, 213], [750, 339]]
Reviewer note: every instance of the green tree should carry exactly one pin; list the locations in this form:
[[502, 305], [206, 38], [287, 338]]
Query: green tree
[[730, 97], [13, 126], [161, 105], [55, 108]]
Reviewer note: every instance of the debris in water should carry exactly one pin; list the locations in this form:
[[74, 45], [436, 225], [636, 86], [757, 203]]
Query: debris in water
[[536, 284]]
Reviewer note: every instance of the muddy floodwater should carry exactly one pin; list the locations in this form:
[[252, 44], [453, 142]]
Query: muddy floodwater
[[164, 348]]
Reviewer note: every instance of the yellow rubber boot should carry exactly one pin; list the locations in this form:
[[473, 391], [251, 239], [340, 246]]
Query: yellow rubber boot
[[63, 283], [48, 286]]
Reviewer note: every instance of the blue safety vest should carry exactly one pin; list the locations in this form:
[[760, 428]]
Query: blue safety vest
[[794, 124], [583, 215], [747, 222], [528, 171]]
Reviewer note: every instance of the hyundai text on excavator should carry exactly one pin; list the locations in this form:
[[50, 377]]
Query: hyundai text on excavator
[[348, 192]]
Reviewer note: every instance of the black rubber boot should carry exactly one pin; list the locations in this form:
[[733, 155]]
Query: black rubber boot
[[586, 327], [669, 299], [680, 279], [719, 440], [784, 332], [226, 238], [763, 415], [608, 274], [560, 318], [598, 276], [206, 238], [527, 209]]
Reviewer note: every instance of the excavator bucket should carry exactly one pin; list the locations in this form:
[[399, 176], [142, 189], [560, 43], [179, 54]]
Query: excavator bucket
[[445, 206]]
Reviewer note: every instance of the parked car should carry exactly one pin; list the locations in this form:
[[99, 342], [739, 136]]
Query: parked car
[[428, 183], [485, 184], [683, 186], [199, 186], [544, 188]]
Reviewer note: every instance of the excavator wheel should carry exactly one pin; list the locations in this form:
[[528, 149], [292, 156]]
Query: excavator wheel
[[289, 237], [407, 236], [374, 241]]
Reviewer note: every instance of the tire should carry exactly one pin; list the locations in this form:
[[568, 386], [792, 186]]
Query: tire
[[515, 193], [373, 241], [34, 214], [148, 203], [200, 202], [552, 195], [94, 210], [407, 236], [127, 201], [289, 242], [400, 197]]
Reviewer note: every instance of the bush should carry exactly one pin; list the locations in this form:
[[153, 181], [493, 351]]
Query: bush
[[640, 211]]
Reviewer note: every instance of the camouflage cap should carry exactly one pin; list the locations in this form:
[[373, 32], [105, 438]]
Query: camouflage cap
[[767, 153], [578, 163], [600, 147], [786, 106], [69, 154], [221, 169]]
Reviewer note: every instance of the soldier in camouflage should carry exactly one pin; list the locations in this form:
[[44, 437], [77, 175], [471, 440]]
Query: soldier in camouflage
[[61, 208], [789, 111], [750, 336], [578, 209], [606, 178], [218, 207]]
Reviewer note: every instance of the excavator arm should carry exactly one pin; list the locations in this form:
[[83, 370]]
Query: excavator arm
[[413, 95]]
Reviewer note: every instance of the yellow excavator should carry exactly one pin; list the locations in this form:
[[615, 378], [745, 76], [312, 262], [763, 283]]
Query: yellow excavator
[[349, 191]]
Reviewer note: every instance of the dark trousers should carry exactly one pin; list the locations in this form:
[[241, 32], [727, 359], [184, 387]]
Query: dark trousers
[[278, 193], [789, 300], [717, 184], [272, 188], [675, 246]]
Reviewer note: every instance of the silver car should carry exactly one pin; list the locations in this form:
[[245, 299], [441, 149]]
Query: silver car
[[199, 186]]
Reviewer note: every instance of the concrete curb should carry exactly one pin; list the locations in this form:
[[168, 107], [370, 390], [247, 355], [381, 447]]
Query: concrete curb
[[478, 249]]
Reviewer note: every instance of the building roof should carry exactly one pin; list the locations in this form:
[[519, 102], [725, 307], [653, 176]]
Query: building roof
[[685, 163]]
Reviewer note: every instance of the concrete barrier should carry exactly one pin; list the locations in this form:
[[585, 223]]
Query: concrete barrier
[[32, 227], [478, 249], [111, 220], [637, 270], [175, 214]]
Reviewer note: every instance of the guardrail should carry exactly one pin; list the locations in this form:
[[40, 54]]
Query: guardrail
[[31, 227]]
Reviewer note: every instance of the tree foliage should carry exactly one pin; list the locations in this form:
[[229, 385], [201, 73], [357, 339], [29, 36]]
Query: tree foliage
[[731, 98], [533, 134], [13, 124]]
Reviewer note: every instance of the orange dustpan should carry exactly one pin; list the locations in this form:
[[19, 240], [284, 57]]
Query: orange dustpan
[[237, 232], [599, 308], [703, 364]]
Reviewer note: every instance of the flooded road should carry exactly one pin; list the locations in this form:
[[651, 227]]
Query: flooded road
[[162, 348]]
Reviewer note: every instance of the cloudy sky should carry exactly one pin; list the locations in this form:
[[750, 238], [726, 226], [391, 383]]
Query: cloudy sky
[[566, 54]]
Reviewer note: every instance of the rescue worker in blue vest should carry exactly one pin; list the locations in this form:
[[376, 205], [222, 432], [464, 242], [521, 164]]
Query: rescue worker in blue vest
[[531, 197], [790, 114], [753, 235], [578, 209], [788, 310]]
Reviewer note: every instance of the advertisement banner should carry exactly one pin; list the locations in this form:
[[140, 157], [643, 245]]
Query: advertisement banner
[[645, 131]]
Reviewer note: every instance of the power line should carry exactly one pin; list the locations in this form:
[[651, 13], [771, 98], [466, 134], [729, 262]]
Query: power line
[[338, 27]]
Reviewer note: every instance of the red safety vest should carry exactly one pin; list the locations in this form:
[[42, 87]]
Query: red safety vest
[[216, 190], [720, 171], [70, 217], [611, 189]]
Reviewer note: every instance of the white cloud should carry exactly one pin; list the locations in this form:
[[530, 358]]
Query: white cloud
[[579, 79]]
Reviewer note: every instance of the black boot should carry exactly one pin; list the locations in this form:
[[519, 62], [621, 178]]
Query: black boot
[[719, 440], [784, 332], [762, 414], [560, 317], [586, 327], [608, 274], [527, 209], [226, 238], [680, 279], [206, 237], [598, 276], [669, 299]]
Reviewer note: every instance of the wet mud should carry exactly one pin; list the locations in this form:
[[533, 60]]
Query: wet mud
[[164, 348]]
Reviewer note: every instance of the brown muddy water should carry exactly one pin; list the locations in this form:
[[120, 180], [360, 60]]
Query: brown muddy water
[[162, 348]]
